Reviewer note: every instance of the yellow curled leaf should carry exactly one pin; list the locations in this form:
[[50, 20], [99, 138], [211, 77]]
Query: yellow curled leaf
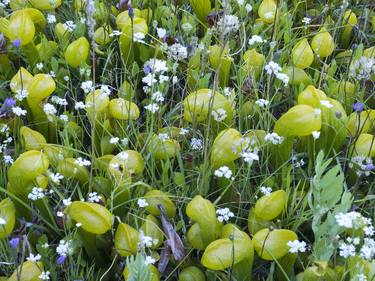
[[94, 218]]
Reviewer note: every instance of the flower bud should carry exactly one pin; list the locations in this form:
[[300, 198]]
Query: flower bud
[[126, 240], [21, 27]]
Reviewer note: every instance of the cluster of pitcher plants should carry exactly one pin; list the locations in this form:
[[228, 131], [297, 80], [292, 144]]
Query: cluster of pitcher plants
[[187, 140]]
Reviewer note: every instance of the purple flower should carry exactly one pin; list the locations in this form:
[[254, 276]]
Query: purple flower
[[17, 43], [61, 260], [14, 242], [147, 69], [369, 167], [9, 102], [358, 107], [131, 11]]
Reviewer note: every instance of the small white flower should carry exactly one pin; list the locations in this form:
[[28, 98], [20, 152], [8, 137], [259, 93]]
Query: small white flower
[[67, 201], [49, 109], [272, 68], [177, 52], [66, 78], [274, 138], [39, 66], [183, 131], [64, 248], [142, 203], [262, 103], [306, 21], [8, 159], [228, 24], [82, 162], [326, 103], [36, 193], [87, 86], [69, 26], [256, 39], [21, 94], [361, 277], [78, 224], [223, 171], [315, 134], [55, 178], [156, 66], [219, 114], [93, 197], [249, 156], [161, 32], [60, 214], [153, 107], [64, 117], [2, 221], [346, 250], [297, 246], [196, 144], [149, 260], [138, 37], [224, 214], [163, 137], [149, 79], [58, 100], [266, 190], [44, 275], [115, 33], [114, 140], [33, 258], [157, 96], [18, 111], [51, 19], [283, 77], [79, 105]]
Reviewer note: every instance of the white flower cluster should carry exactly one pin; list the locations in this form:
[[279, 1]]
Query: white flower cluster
[[45, 275], [228, 24], [177, 52], [50, 110], [262, 103], [65, 248], [87, 86], [256, 39], [146, 241], [366, 246], [59, 101], [196, 144], [274, 138], [250, 155], [18, 111], [51, 19], [163, 137], [36, 193], [225, 172], [296, 246], [34, 258], [266, 190], [55, 178], [362, 165], [21, 94], [142, 203], [219, 114], [224, 214], [274, 68], [363, 68], [82, 162], [69, 26], [93, 197]]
